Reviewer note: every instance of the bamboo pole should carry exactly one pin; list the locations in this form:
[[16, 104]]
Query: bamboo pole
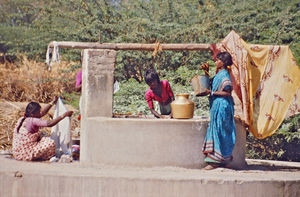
[[128, 46]]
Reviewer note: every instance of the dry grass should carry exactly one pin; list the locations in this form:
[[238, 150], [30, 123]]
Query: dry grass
[[30, 80], [6, 128], [27, 81]]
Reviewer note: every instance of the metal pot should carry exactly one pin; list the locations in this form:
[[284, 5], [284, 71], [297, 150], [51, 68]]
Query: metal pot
[[182, 106], [200, 83]]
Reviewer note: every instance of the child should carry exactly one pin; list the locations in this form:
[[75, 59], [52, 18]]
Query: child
[[159, 91]]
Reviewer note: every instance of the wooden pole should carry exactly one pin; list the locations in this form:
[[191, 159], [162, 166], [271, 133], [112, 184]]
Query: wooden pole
[[129, 46]]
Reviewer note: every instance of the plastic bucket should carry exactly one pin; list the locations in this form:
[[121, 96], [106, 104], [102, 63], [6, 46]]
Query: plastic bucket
[[200, 83]]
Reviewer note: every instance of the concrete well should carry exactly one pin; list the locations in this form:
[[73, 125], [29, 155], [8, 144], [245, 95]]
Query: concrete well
[[151, 142], [137, 142]]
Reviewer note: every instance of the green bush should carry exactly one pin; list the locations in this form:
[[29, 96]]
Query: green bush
[[130, 98], [284, 145]]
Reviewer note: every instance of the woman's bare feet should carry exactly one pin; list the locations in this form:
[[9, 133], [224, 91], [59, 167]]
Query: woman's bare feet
[[211, 166]]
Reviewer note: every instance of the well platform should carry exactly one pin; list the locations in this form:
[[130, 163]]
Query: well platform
[[35, 179]]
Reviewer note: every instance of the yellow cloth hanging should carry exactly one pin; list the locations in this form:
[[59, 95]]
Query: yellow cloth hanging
[[275, 79], [266, 80]]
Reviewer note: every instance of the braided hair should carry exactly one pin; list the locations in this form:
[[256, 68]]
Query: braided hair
[[31, 108]]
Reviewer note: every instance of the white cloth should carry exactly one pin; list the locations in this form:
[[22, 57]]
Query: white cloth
[[116, 87], [55, 54], [60, 133]]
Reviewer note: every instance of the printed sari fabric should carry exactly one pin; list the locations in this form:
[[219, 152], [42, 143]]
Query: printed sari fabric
[[220, 137], [266, 83], [28, 146]]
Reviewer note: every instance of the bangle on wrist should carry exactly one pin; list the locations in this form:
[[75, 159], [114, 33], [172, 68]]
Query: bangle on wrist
[[211, 93]]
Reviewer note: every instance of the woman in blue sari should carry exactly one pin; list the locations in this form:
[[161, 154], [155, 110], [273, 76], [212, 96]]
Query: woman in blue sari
[[220, 137]]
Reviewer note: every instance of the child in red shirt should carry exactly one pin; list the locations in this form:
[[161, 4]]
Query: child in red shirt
[[159, 91]]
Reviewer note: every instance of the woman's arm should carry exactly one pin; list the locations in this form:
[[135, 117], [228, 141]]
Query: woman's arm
[[45, 110], [221, 93], [51, 123]]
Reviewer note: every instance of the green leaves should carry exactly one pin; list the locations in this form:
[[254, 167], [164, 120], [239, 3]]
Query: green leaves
[[130, 98], [141, 21]]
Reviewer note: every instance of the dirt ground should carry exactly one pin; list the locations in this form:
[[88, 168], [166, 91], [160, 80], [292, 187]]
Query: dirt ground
[[10, 112]]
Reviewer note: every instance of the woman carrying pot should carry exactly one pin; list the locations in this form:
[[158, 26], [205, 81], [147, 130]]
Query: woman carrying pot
[[220, 137]]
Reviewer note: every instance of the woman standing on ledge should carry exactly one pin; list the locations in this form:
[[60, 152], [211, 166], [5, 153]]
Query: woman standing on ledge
[[28, 144], [220, 137]]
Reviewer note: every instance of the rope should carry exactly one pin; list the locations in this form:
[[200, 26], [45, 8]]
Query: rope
[[157, 48]]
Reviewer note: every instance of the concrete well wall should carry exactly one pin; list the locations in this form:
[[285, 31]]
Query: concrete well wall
[[151, 142]]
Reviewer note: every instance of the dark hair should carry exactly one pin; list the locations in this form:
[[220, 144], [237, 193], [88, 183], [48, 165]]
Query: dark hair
[[226, 58], [31, 108], [150, 76]]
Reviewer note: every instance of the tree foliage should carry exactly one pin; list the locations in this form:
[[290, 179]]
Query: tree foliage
[[28, 26]]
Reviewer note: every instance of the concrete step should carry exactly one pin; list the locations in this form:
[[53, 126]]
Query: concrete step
[[76, 179]]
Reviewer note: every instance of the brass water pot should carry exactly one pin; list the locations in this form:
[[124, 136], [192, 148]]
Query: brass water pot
[[182, 106]]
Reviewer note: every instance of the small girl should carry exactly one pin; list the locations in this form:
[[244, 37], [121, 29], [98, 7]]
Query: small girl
[[159, 91], [28, 144]]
